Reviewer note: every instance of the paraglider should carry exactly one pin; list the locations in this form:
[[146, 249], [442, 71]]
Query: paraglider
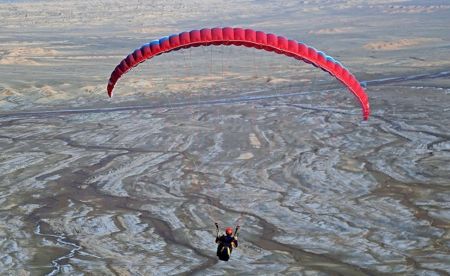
[[226, 242], [248, 38]]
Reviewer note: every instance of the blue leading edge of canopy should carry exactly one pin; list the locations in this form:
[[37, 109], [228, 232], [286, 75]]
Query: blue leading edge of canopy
[[153, 42], [161, 40]]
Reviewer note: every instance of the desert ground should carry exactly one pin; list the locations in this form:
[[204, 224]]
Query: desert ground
[[132, 185]]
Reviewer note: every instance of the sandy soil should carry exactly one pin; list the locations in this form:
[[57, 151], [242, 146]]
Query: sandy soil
[[132, 185], [397, 44]]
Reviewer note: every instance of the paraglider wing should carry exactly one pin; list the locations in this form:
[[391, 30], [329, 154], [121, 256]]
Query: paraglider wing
[[247, 38]]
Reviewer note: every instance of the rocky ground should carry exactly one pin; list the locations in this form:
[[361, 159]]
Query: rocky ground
[[133, 185]]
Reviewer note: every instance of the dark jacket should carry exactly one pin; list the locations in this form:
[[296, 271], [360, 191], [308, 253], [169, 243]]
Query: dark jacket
[[225, 247], [227, 241]]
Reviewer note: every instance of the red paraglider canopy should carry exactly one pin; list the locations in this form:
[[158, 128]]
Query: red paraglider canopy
[[247, 38]]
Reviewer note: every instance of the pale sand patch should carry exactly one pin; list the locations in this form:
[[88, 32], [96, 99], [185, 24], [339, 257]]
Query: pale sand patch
[[414, 9], [155, 31], [182, 87], [245, 156], [198, 82], [94, 89], [397, 44], [129, 86], [25, 55], [50, 94], [8, 92], [211, 77], [17, 61], [274, 80], [8, 98], [254, 141], [328, 31], [351, 165], [49, 91]]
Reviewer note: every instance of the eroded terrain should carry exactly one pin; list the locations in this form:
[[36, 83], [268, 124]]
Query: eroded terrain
[[133, 185]]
